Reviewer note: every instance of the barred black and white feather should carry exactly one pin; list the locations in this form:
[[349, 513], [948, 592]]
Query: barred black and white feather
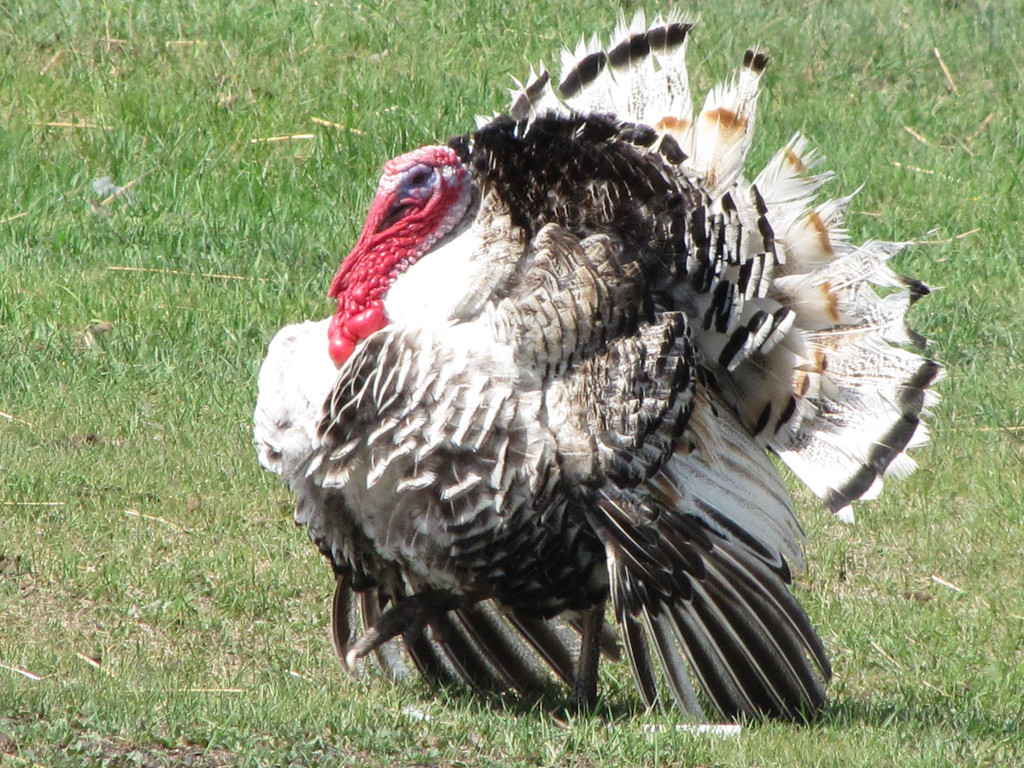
[[577, 392]]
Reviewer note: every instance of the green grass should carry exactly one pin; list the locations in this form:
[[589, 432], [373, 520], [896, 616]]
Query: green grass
[[136, 529]]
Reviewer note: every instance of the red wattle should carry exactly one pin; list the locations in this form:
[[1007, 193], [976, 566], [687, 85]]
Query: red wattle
[[366, 322], [340, 344], [344, 333], [340, 348]]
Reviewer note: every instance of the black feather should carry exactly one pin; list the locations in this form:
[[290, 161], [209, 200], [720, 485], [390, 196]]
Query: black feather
[[583, 74]]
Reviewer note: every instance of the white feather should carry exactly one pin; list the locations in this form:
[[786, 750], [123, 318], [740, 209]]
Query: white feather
[[294, 381]]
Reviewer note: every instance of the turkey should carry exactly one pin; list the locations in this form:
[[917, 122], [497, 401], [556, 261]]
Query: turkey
[[565, 345]]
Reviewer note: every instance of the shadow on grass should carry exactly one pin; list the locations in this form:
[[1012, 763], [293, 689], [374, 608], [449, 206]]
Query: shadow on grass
[[961, 718], [614, 706]]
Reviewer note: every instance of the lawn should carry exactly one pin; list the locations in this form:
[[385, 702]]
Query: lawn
[[179, 179]]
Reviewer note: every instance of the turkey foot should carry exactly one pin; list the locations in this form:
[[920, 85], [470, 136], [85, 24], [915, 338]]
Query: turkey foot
[[408, 617]]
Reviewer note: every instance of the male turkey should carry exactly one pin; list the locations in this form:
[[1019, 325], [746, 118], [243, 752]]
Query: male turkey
[[564, 345]]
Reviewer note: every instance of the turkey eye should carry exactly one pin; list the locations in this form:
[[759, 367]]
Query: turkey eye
[[418, 184], [413, 192], [419, 175]]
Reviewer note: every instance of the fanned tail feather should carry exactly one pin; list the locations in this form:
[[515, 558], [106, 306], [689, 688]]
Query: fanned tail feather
[[844, 402], [795, 329], [640, 77], [802, 334], [723, 130]]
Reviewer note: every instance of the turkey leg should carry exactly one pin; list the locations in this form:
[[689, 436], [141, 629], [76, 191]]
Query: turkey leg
[[583, 697], [407, 617]]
